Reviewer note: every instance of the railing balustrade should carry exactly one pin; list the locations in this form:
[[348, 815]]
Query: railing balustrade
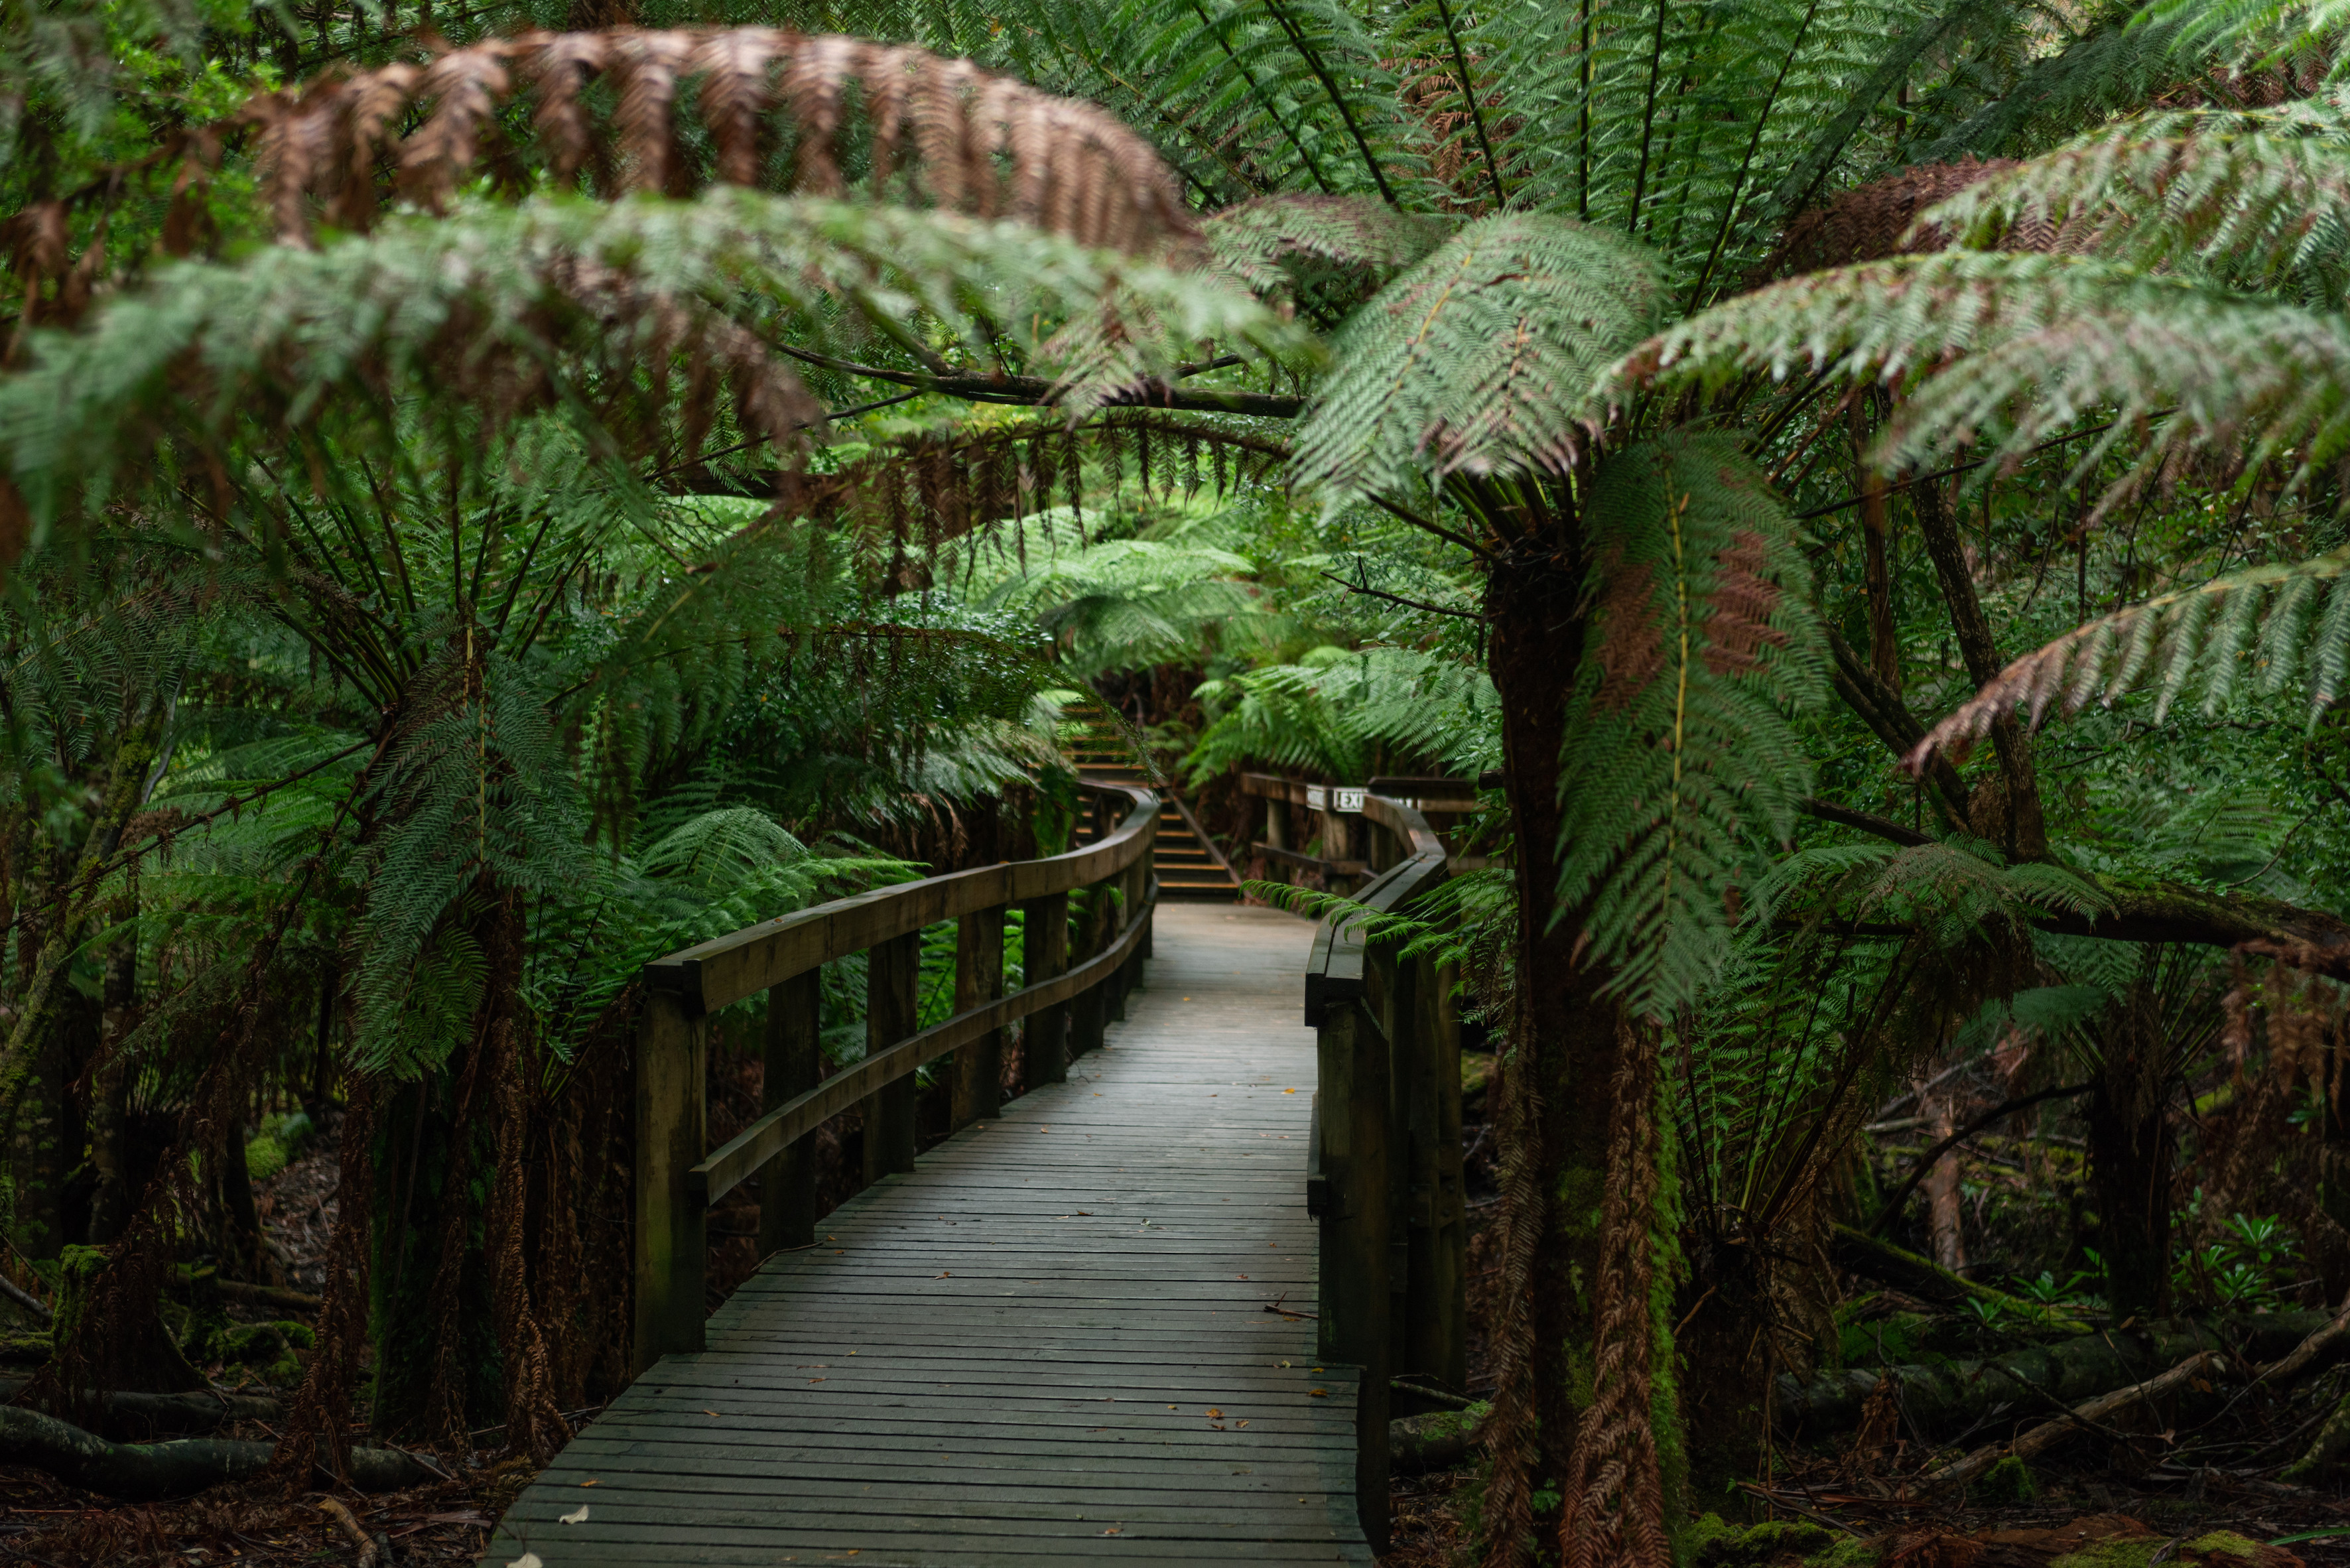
[[1068, 997], [1383, 1172]]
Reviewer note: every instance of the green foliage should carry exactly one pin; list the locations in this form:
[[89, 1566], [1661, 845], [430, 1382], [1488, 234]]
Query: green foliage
[[1481, 359], [1682, 756]]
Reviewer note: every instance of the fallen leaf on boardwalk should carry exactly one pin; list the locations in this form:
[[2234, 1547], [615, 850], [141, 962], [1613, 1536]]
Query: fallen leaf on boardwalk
[[577, 1516], [1317, 1393], [1289, 1091], [1215, 1415], [588, 1483], [1216, 1426], [1240, 1276], [816, 1379], [1240, 1423], [527, 1560], [948, 1275], [1111, 1531], [710, 1412]]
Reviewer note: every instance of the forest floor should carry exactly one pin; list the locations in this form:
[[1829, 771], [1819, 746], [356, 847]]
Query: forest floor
[[2116, 1490], [44, 1522]]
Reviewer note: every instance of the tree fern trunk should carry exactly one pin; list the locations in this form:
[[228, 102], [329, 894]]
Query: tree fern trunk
[[2130, 1150], [1564, 1054]]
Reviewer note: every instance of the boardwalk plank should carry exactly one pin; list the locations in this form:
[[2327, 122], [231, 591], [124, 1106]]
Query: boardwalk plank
[[974, 1365]]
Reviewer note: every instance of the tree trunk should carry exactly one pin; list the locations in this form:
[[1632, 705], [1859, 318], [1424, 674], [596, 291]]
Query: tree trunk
[[2130, 1156], [2018, 826], [1564, 1051], [1945, 1219]]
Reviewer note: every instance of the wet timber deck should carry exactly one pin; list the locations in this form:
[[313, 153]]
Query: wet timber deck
[[1048, 1345]]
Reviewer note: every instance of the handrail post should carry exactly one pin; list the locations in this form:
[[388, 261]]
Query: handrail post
[[787, 1187], [672, 1132], [1045, 955], [1354, 1305], [979, 980], [1085, 1008], [1442, 1313], [893, 969]]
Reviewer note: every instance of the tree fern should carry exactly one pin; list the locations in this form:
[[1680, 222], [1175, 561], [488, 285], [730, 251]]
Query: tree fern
[[1481, 359], [1681, 754]]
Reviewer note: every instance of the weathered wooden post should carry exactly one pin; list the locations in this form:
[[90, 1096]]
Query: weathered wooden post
[[1087, 1008], [1044, 953], [893, 969], [672, 1130], [979, 980], [787, 1187], [1442, 1294], [1354, 1302]]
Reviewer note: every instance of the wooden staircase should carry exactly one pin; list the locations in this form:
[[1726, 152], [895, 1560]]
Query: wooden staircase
[[1187, 867]]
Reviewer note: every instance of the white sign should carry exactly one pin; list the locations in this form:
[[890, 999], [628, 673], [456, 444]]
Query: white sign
[[1316, 798], [1350, 799]]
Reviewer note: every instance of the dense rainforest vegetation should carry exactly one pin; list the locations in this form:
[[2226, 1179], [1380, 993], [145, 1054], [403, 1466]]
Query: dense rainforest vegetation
[[494, 494]]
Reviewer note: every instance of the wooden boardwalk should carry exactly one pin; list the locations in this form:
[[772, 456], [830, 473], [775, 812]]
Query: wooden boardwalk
[[1048, 1345]]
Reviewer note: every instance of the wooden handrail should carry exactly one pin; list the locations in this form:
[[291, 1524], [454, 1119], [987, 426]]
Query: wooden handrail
[[1383, 1162], [679, 1177], [725, 969], [742, 1156]]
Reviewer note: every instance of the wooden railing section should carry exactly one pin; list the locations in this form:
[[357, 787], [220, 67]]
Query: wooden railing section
[[1071, 990], [1383, 1171]]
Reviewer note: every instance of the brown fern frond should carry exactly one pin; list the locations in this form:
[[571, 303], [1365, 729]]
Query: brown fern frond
[[466, 85], [734, 93], [370, 106], [559, 67], [1880, 219], [649, 65], [295, 155], [1613, 1515], [1065, 164], [1745, 599]]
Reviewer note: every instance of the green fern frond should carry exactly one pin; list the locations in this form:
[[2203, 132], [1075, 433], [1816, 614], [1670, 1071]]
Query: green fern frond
[[1277, 245], [2254, 196], [2268, 630], [573, 304], [2004, 352], [1682, 756], [1481, 359]]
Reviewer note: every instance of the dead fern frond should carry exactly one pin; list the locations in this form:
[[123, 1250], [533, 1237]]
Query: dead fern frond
[[984, 144]]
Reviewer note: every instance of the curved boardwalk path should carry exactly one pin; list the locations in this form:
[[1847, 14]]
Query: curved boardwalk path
[[1048, 1345]]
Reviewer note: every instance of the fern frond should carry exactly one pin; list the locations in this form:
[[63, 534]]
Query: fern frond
[[2004, 352], [1682, 754], [580, 307], [981, 143], [2252, 195], [2269, 628], [1481, 359], [1273, 243]]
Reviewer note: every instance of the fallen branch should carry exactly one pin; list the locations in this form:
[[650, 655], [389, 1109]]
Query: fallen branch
[[26, 1299], [186, 1414], [2048, 1434], [146, 1472], [1861, 1253], [344, 1517]]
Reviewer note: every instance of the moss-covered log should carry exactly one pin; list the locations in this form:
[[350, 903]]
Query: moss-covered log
[[1438, 1439], [1942, 1399], [143, 1472]]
